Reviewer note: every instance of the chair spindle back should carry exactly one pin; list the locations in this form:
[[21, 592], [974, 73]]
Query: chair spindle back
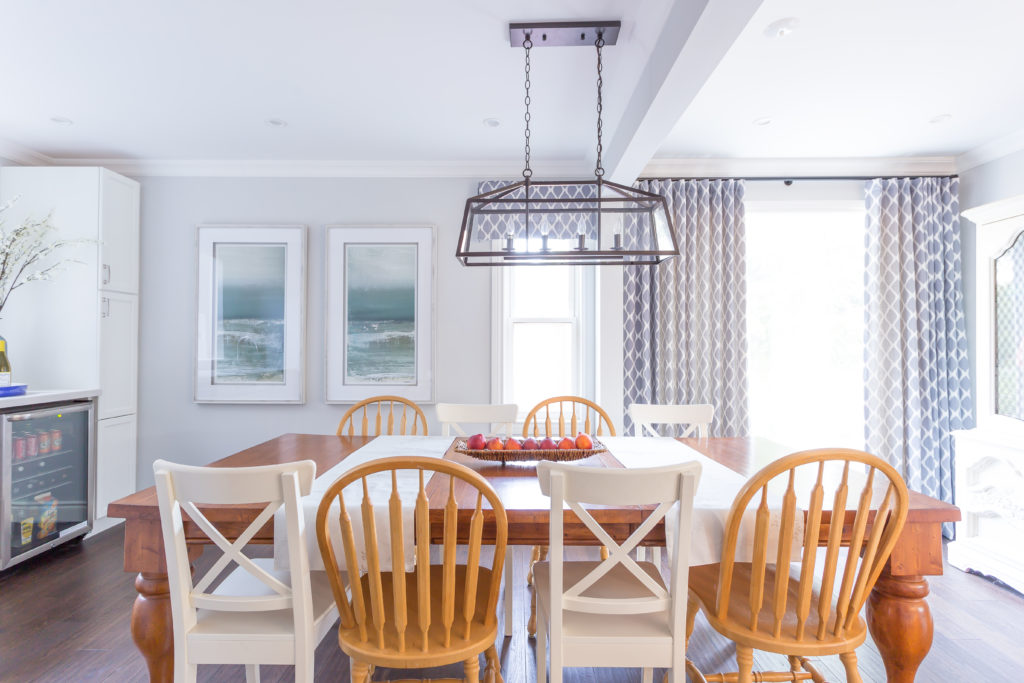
[[436, 620], [565, 416], [872, 530], [383, 415]]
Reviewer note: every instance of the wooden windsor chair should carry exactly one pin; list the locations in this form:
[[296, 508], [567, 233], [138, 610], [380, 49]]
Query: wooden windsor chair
[[772, 605], [377, 415], [571, 414], [433, 615]]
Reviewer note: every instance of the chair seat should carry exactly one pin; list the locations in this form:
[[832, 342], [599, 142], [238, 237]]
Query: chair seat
[[438, 652], [216, 630], [704, 587], [645, 629]]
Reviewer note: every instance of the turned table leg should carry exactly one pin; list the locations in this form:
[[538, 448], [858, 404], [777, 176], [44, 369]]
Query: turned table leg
[[152, 630], [901, 624]]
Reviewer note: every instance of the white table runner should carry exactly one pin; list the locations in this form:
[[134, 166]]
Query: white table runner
[[717, 488], [379, 486]]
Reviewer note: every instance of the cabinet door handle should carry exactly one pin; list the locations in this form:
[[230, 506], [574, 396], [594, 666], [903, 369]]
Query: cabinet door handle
[[106, 274], [105, 308]]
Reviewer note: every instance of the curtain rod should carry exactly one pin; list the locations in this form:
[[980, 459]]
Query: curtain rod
[[802, 178]]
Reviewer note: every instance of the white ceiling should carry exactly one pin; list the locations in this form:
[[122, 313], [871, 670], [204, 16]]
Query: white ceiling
[[406, 83], [862, 79]]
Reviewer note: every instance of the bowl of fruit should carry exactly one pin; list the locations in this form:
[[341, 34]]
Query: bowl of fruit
[[513, 449]]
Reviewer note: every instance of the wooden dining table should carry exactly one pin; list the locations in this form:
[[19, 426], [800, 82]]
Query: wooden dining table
[[897, 611]]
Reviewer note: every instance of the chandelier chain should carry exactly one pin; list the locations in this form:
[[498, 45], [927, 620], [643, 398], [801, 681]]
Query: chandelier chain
[[599, 169], [527, 44]]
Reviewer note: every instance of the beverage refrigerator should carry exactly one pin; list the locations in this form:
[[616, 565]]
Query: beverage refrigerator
[[47, 457]]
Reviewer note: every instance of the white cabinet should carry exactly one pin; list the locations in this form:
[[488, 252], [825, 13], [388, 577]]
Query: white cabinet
[[115, 460], [119, 334], [80, 329], [119, 233]]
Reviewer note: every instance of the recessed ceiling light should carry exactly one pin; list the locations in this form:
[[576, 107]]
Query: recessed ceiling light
[[762, 121], [781, 28], [492, 123], [941, 118], [277, 123], [61, 120]]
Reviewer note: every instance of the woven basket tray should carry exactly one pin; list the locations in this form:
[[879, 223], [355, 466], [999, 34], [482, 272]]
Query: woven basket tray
[[557, 455]]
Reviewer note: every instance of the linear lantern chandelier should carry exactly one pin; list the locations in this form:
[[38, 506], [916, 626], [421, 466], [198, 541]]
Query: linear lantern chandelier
[[565, 222]]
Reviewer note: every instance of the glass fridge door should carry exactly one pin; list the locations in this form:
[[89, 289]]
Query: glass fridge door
[[46, 461]]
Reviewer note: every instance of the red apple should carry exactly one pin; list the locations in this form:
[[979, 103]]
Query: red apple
[[477, 442], [512, 444], [584, 442], [547, 444], [530, 444], [566, 443], [495, 444]]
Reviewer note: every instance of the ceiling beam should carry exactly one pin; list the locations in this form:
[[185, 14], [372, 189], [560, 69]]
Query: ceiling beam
[[695, 38]]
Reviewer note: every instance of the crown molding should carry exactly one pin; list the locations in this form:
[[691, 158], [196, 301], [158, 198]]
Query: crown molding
[[993, 212], [244, 168], [990, 151], [799, 168], [22, 155]]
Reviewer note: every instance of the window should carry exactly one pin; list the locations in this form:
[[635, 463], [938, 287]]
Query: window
[[543, 333], [805, 320]]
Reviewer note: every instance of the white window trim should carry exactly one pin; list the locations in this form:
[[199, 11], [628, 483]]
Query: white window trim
[[584, 330]]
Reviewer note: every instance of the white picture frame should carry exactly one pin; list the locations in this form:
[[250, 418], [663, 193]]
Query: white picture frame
[[383, 341], [250, 340]]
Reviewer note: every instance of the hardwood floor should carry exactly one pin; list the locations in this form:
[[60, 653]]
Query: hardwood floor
[[64, 617]]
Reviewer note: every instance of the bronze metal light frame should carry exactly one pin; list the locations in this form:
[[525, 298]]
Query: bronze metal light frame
[[618, 225]]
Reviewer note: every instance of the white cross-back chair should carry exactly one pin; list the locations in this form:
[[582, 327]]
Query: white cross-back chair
[[697, 417], [257, 614], [453, 415], [617, 612]]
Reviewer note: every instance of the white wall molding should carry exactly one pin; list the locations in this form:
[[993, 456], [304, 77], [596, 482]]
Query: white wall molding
[[990, 151], [19, 154], [250, 168], [799, 168]]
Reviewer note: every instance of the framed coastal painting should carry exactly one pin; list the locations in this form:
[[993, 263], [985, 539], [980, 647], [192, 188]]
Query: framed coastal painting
[[250, 314], [379, 320]]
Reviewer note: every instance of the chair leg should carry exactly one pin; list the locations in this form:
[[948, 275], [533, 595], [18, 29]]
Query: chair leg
[[604, 553], [641, 553], [656, 556], [745, 664], [542, 652], [360, 672], [252, 673], [531, 625], [849, 660], [509, 589], [692, 607], [492, 672], [472, 669], [647, 675]]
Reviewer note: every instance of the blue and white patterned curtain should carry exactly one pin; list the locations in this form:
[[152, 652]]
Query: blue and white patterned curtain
[[917, 386], [685, 320]]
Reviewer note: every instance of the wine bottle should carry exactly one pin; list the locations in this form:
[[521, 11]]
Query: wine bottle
[[5, 365]]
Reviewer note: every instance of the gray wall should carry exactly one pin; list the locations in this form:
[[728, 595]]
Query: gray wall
[[171, 426]]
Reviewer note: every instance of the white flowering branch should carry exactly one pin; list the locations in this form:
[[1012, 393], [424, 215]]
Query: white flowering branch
[[25, 251]]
